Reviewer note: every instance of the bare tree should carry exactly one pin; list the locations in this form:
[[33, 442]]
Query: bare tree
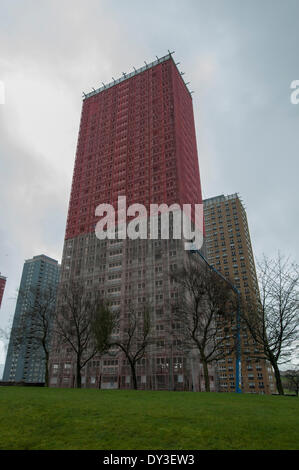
[[205, 312], [38, 318], [272, 316], [134, 337], [292, 377], [104, 325], [34, 325], [5, 335], [79, 317]]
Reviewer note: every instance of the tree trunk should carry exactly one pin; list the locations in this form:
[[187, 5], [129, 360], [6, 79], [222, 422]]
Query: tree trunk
[[47, 370], [78, 377], [133, 375], [277, 378], [206, 375]]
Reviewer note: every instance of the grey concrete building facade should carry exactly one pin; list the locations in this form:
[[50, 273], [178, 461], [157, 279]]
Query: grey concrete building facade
[[23, 362]]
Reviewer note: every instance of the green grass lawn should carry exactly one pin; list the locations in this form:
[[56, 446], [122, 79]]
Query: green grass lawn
[[37, 418]]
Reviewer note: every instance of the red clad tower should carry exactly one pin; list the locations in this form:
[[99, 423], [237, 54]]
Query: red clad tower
[[136, 139]]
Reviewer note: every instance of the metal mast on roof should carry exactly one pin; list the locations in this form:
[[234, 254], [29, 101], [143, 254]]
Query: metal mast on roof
[[136, 71]]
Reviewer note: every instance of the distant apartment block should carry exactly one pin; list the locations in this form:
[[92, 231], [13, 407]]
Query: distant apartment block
[[229, 250], [24, 363]]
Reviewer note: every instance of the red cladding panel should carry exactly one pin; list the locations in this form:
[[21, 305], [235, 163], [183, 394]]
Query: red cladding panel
[[2, 287], [136, 139]]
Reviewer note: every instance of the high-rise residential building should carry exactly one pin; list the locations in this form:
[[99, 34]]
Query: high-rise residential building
[[23, 361], [2, 287], [229, 250], [136, 139]]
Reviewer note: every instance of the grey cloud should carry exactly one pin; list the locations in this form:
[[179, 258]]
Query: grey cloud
[[240, 58]]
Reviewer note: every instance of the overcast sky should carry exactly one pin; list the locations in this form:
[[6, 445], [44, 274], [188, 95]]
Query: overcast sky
[[240, 57]]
